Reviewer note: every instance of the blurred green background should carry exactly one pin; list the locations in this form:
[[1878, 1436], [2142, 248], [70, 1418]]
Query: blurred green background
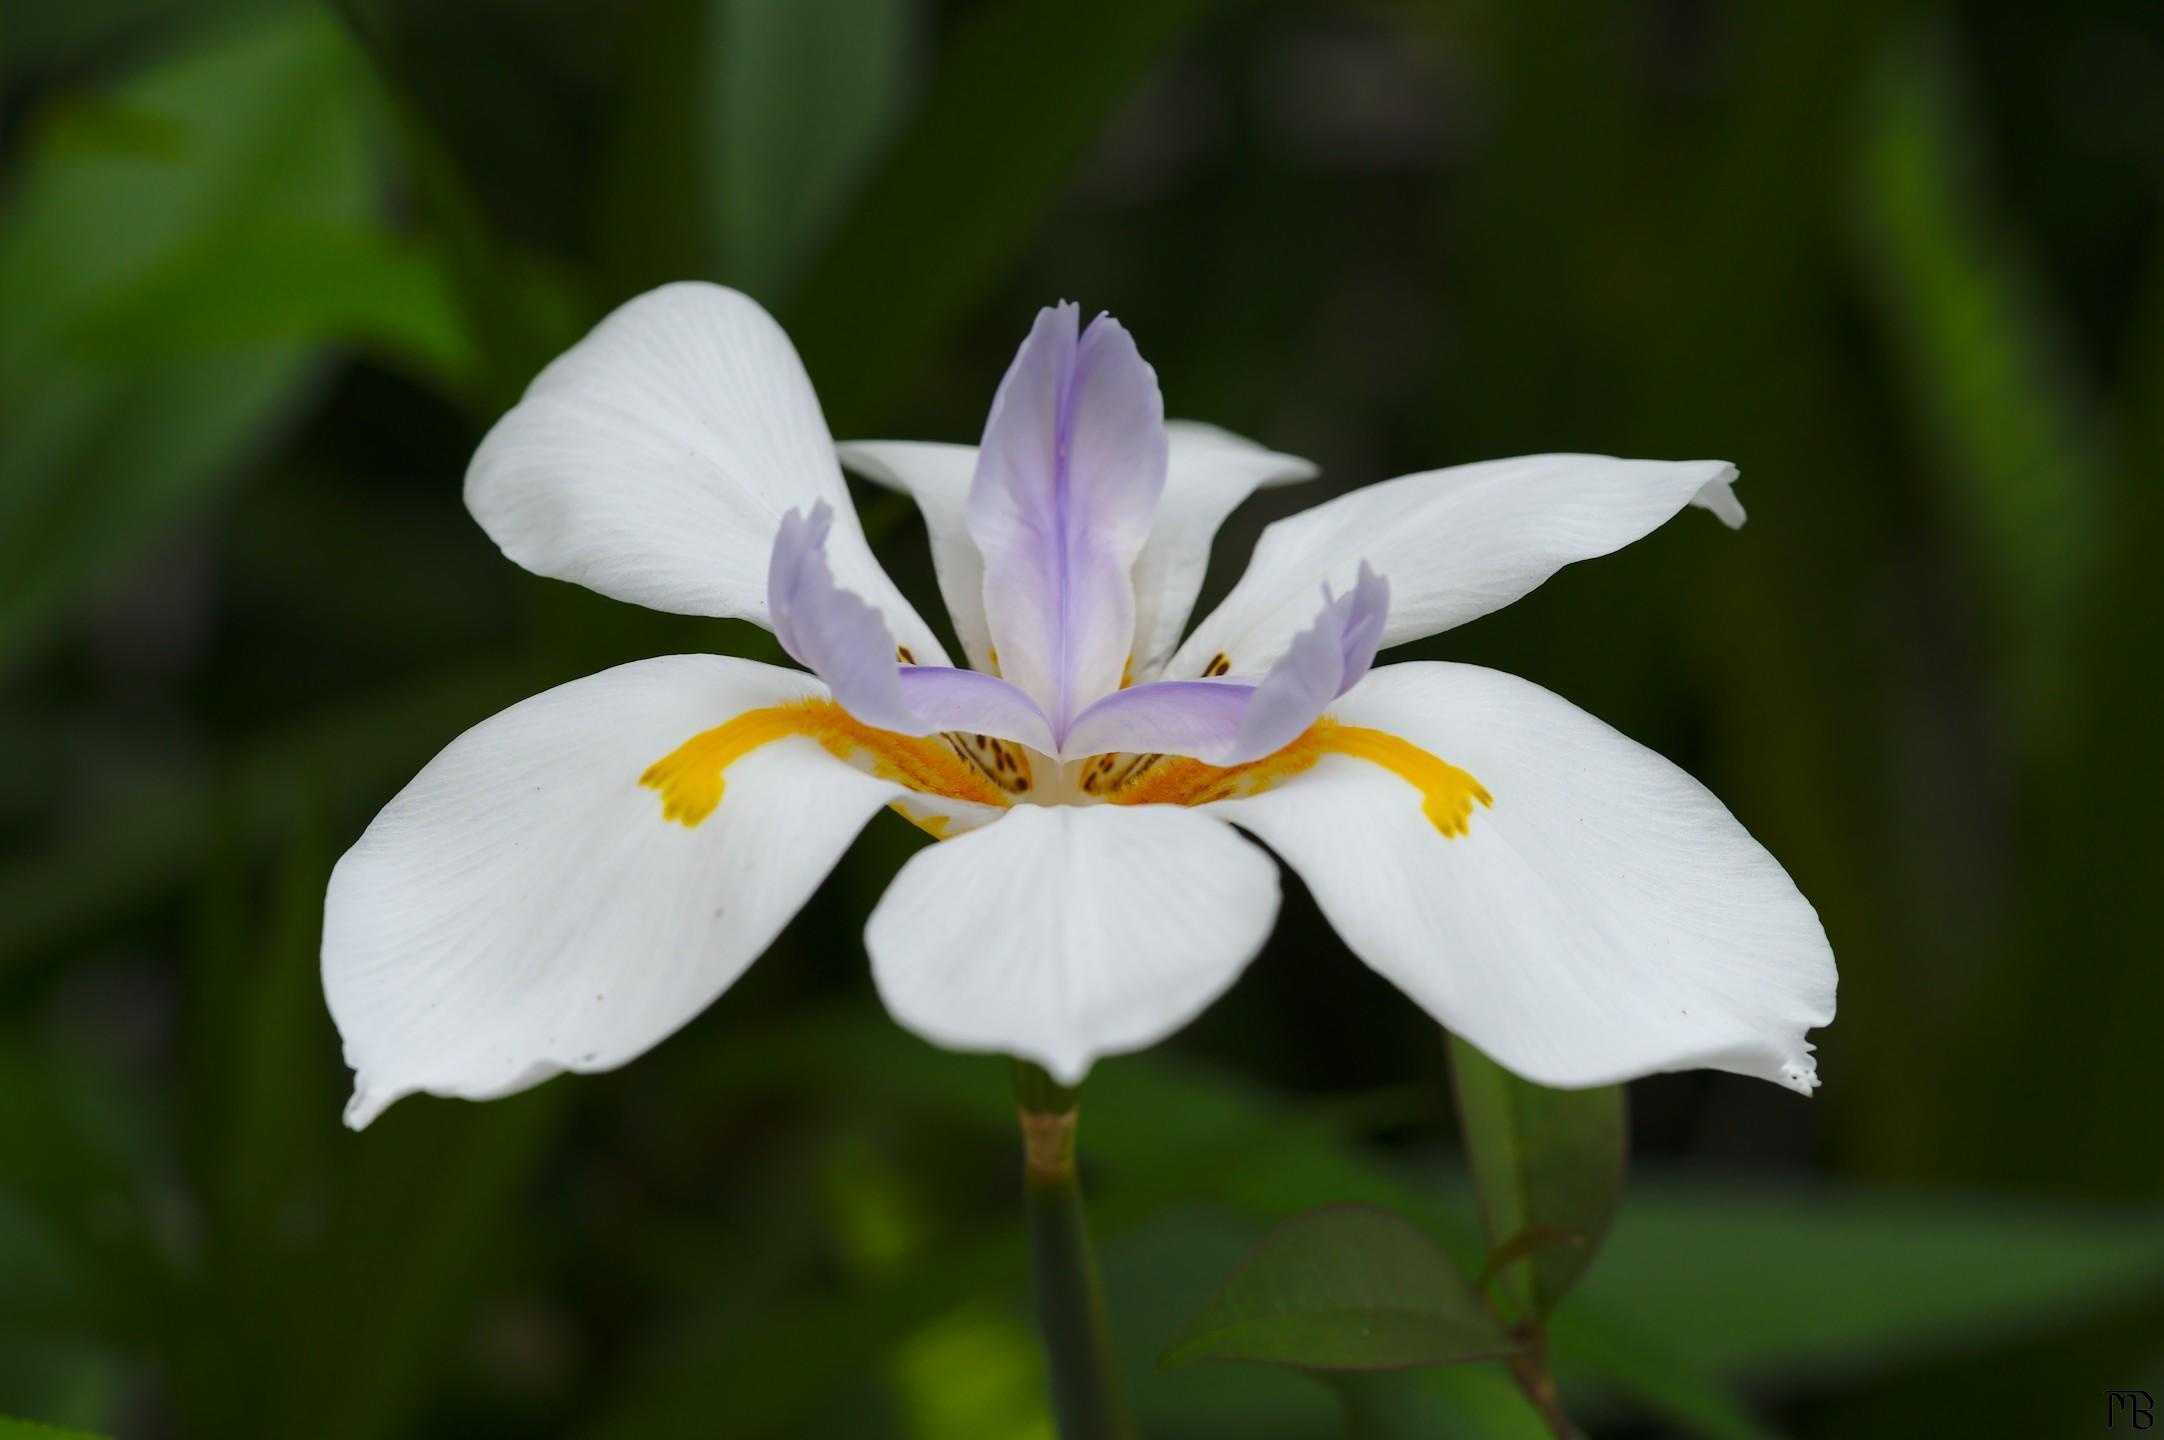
[[268, 270]]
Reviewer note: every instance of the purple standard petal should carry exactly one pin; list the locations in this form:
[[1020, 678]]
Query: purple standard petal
[[1229, 722], [841, 639], [1067, 481]]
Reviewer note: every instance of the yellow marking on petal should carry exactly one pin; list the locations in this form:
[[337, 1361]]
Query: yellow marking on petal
[[1127, 673], [689, 778], [1447, 793]]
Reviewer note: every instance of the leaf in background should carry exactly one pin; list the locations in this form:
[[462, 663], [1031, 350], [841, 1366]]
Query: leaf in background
[[260, 124], [284, 281], [417, 1215], [1608, 1352], [1548, 1165], [275, 1035], [1790, 1281], [1345, 1287], [1698, 1285], [69, 1187], [1455, 1402], [134, 843], [518, 312], [1019, 93], [1987, 361], [32, 1430], [797, 98]]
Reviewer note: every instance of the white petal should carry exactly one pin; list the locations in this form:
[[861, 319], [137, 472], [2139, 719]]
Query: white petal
[[1454, 544], [1062, 933], [523, 908], [1208, 472], [653, 461], [1605, 918], [937, 477]]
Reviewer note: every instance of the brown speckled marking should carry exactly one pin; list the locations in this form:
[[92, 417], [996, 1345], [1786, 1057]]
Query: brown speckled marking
[[1000, 761]]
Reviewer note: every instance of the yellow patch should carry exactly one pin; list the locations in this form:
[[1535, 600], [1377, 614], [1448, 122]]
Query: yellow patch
[[689, 778], [1447, 793]]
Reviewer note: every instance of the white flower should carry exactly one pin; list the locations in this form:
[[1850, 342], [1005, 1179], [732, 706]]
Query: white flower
[[569, 882]]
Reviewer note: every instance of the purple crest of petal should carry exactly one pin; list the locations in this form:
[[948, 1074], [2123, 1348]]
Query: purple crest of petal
[[832, 632], [1229, 722], [1068, 478], [1363, 628], [841, 639], [972, 701], [1323, 662], [1169, 717]]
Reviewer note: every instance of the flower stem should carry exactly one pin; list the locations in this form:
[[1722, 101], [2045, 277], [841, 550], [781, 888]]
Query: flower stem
[[1086, 1398], [1530, 1369]]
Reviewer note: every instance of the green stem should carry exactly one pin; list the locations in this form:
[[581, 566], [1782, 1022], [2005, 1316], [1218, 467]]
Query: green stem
[[1086, 1398], [1530, 1369]]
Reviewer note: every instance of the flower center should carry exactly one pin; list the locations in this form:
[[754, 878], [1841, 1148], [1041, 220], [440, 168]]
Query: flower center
[[984, 771]]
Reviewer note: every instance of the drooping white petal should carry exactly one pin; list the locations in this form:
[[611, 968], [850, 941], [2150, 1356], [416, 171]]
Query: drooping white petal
[[1455, 543], [1605, 917], [653, 461], [1208, 472], [523, 907], [845, 642], [1068, 478], [1062, 933]]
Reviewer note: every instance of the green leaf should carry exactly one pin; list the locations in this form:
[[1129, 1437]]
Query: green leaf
[[1698, 1284], [259, 125], [1548, 1167], [519, 313], [419, 1212], [1756, 1281], [1019, 93], [267, 282], [72, 1189], [1345, 1287], [145, 835], [275, 1105], [2007, 419], [798, 98], [1454, 1402], [1599, 1351], [32, 1430]]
